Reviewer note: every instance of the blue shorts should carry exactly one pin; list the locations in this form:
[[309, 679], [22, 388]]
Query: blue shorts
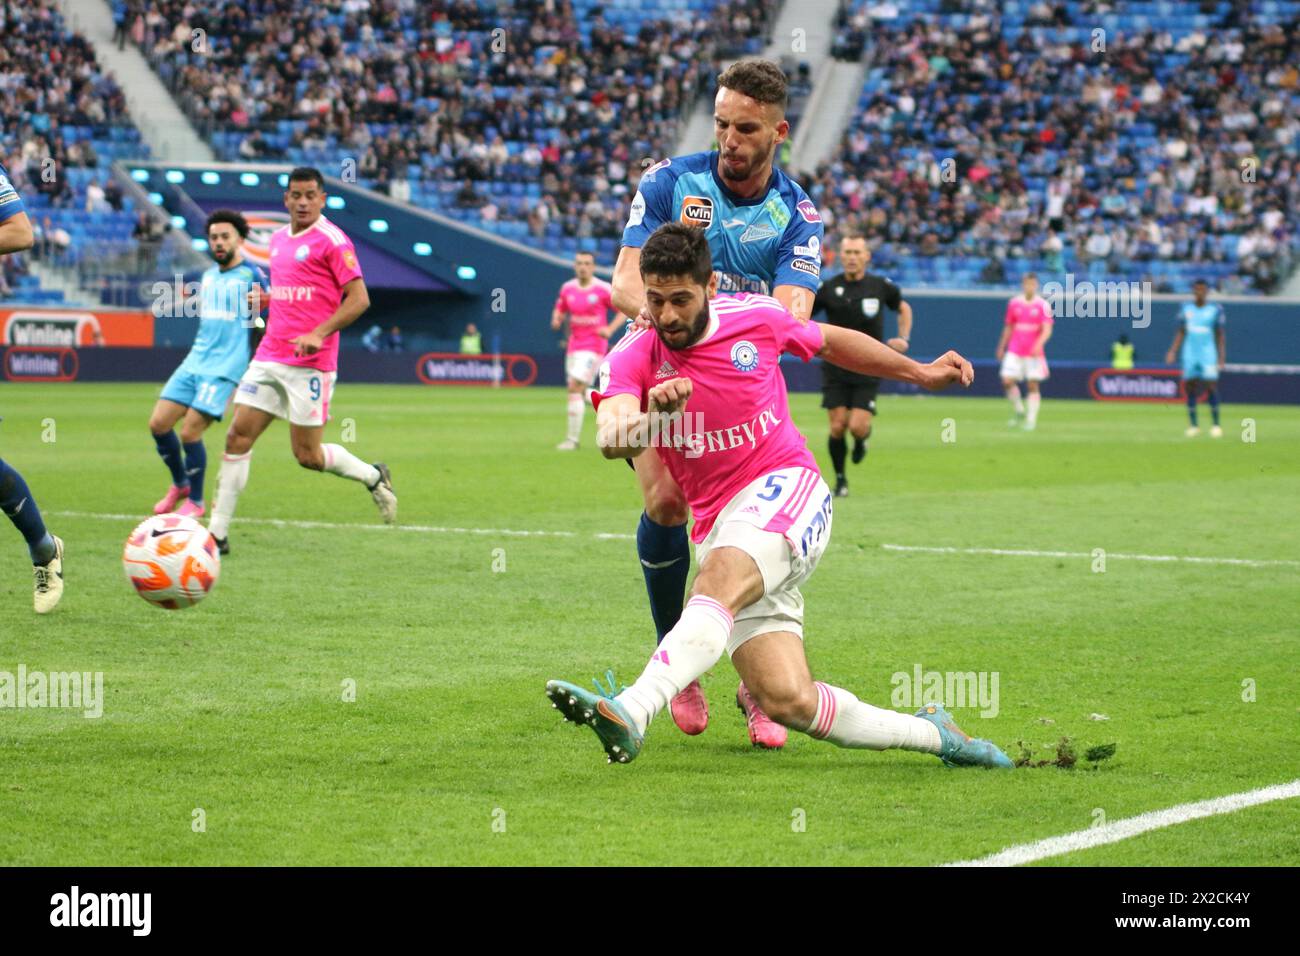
[[1202, 365], [203, 393]]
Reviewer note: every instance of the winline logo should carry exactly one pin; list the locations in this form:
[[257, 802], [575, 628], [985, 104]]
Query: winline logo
[[1136, 385]]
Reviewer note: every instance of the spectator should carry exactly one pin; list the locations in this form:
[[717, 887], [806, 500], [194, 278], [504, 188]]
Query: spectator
[[97, 199]]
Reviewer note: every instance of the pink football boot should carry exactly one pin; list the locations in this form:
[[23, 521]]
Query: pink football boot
[[690, 710], [189, 509], [763, 730], [168, 503]]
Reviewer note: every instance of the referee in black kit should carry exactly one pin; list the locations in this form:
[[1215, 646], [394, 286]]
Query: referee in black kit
[[856, 300]]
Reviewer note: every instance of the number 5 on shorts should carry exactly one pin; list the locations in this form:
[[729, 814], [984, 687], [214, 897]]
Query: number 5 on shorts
[[773, 487]]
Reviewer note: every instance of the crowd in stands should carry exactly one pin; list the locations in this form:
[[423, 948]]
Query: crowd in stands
[[63, 119], [995, 130], [986, 133], [532, 119]]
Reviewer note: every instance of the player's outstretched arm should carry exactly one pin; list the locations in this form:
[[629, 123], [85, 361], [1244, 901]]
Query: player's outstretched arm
[[861, 353], [627, 291], [16, 234]]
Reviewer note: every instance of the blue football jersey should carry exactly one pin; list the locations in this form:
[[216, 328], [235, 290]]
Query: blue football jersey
[[11, 204], [1200, 324], [758, 244], [221, 348]]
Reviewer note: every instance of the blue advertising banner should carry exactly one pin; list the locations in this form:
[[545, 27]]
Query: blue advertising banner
[[1264, 384]]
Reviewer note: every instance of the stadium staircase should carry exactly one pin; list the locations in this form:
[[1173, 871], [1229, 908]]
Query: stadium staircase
[[62, 285], [833, 103], [164, 127]]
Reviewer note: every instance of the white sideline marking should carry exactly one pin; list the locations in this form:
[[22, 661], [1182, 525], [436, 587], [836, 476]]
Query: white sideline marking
[[418, 528], [1245, 562], [610, 536], [1132, 826]]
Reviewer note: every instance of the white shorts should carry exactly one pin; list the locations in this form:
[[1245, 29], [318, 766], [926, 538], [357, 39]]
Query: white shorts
[[295, 392], [1017, 367], [783, 522], [582, 366]]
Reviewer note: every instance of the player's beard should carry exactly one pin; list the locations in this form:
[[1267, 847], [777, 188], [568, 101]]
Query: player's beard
[[697, 328], [223, 259], [744, 172]]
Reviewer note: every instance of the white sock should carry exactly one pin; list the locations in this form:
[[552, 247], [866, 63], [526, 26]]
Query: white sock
[[230, 482], [848, 722], [686, 652], [577, 408], [1035, 398], [1013, 393], [339, 461]]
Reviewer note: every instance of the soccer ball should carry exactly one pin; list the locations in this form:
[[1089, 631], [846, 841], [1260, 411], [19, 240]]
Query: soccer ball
[[171, 561]]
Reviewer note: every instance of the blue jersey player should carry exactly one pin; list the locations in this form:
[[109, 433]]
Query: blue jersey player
[[15, 498], [765, 236], [197, 393], [1203, 352]]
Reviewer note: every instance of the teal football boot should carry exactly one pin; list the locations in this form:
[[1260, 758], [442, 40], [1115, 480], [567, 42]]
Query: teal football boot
[[959, 749], [602, 713]]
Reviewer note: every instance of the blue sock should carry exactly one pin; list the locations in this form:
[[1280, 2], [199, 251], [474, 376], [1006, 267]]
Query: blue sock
[[17, 503], [1214, 404], [665, 554], [1191, 407], [169, 449], [196, 463]]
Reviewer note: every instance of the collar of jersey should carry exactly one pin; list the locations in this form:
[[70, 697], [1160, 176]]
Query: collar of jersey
[[298, 235], [726, 191], [713, 326]]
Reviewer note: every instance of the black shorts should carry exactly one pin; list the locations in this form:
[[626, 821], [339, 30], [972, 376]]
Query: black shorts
[[851, 393]]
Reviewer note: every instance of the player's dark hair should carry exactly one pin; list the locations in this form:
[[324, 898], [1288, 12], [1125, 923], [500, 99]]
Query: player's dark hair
[[590, 255], [304, 173], [676, 249], [230, 217], [852, 237], [761, 80]]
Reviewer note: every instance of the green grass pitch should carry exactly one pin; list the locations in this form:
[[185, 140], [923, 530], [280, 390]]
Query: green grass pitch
[[450, 752]]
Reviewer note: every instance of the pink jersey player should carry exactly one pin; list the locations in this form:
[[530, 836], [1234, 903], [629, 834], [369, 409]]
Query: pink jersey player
[[1026, 318], [738, 426], [308, 273], [1020, 350], [763, 514], [316, 290], [588, 310]]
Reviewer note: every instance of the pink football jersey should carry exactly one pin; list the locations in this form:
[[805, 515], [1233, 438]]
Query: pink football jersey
[[737, 424], [1026, 320], [588, 310], [308, 272]]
